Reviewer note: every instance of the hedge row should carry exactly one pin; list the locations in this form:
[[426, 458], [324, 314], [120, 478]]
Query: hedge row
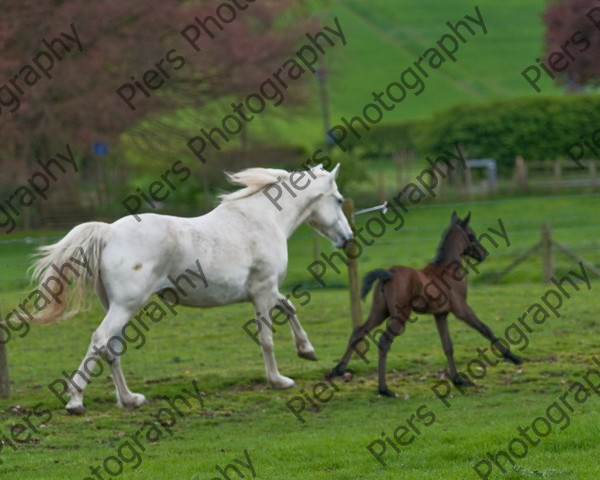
[[538, 128]]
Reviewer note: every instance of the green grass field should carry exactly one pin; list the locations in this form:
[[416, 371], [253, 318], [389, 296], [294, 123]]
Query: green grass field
[[240, 413], [238, 416]]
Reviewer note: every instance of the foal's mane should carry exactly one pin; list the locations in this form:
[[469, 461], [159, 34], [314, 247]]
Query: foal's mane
[[439, 255]]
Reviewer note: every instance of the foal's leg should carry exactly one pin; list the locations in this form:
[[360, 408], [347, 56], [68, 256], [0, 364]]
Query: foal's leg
[[377, 315], [303, 345], [100, 353], [264, 300], [395, 326], [467, 314], [441, 321]]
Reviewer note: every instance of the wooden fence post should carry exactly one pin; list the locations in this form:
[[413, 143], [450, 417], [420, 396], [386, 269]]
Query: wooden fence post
[[547, 260], [353, 282], [4, 379], [557, 173], [469, 182], [593, 175], [381, 187], [520, 175]]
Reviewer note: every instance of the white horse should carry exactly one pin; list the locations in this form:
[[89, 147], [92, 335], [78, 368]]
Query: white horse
[[239, 250]]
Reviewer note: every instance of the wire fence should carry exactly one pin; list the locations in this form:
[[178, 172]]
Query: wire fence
[[414, 245]]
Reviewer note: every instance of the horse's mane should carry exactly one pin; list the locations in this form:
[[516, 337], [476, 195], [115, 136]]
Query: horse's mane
[[253, 179], [439, 255]]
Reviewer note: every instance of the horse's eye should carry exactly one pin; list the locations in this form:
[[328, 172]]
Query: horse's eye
[[340, 200]]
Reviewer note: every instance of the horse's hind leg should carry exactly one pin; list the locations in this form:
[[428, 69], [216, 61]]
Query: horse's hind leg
[[80, 379], [264, 299], [303, 345], [125, 397], [395, 326], [377, 315], [101, 353], [441, 322], [93, 358]]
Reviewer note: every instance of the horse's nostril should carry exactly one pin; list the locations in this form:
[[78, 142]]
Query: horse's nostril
[[348, 241]]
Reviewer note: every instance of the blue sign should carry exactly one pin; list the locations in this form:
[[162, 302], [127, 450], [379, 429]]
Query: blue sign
[[100, 148]]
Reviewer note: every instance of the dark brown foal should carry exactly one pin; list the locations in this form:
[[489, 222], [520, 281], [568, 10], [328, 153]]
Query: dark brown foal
[[439, 288]]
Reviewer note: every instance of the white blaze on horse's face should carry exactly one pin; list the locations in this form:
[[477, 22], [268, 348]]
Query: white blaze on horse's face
[[327, 217]]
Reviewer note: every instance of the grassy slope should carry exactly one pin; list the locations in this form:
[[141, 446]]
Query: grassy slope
[[384, 38], [242, 413]]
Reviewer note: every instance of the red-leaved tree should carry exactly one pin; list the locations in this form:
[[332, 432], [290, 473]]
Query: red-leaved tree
[[573, 30], [74, 101]]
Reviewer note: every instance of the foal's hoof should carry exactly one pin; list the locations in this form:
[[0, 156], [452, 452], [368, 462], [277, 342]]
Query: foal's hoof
[[308, 355], [387, 392], [337, 371], [460, 381], [514, 359], [75, 409]]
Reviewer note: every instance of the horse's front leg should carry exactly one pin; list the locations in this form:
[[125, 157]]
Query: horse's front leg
[[467, 314], [303, 345], [264, 303], [441, 322]]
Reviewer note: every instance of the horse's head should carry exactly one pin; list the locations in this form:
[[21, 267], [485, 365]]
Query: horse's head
[[327, 216], [473, 248]]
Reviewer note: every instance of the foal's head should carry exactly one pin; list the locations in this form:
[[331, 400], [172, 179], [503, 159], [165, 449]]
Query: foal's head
[[470, 246]]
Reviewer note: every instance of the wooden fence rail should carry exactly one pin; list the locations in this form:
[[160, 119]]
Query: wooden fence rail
[[558, 169], [546, 246]]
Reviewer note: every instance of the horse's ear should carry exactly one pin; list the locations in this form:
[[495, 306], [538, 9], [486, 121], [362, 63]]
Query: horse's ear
[[465, 222], [335, 171], [454, 218]]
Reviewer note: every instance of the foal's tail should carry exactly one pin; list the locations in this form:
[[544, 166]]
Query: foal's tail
[[71, 261], [369, 279]]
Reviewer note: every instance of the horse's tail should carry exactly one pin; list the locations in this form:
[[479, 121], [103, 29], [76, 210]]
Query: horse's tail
[[369, 279], [70, 262]]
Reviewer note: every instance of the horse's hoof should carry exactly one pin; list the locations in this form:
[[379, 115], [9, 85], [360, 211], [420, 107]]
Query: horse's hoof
[[308, 355], [387, 392], [462, 382], [282, 383], [135, 400], [76, 409]]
